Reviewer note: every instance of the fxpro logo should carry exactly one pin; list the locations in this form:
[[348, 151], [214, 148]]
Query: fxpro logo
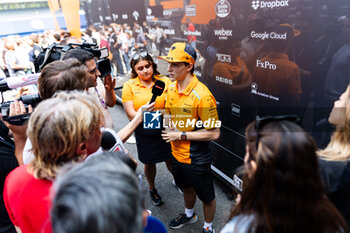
[[265, 65], [190, 33], [266, 35], [223, 57], [223, 34], [222, 8], [269, 4]]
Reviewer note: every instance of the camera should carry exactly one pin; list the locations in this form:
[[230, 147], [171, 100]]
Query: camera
[[22, 119], [56, 52], [51, 53]]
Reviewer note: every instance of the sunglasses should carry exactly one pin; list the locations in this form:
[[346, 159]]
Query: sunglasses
[[93, 71], [262, 121], [138, 55]]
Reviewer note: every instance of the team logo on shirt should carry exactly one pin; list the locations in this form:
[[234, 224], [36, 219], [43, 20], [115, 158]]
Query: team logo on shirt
[[152, 120]]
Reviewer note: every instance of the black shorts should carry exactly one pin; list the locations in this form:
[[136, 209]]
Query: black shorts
[[197, 176]]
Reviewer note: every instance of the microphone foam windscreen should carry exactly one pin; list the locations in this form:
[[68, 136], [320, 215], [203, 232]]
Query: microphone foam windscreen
[[158, 88], [107, 141]]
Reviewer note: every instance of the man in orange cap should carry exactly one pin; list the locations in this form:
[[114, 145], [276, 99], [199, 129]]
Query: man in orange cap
[[193, 123]]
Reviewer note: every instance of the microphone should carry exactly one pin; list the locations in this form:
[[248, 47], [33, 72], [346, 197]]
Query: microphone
[[111, 141], [18, 81], [157, 90]]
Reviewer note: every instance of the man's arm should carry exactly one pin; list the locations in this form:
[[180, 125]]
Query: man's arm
[[199, 135]]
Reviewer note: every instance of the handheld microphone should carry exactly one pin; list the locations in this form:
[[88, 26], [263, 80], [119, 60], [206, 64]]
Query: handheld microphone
[[111, 141], [18, 81], [157, 90]]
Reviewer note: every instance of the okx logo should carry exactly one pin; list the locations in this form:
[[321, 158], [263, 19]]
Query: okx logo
[[255, 4], [152, 120]]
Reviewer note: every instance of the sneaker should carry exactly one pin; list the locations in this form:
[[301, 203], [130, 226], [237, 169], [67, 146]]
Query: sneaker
[[156, 198], [208, 231], [174, 184], [182, 220]]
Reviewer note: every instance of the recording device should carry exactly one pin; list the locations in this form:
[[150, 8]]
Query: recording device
[[111, 141], [104, 66], [56, 52], [22, 119], [18, 81], [157, 90]]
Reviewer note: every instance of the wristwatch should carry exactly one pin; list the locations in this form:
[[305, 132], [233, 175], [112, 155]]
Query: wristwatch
[[183, 136]]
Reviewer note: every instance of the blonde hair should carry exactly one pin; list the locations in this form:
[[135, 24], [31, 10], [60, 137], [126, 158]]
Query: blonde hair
[[57, 127], [338, 148]]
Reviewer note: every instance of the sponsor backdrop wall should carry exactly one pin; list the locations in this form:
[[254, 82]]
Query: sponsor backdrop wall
[[259, 58]]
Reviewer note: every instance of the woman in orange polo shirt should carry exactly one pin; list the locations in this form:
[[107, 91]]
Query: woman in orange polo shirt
[[151, 147]]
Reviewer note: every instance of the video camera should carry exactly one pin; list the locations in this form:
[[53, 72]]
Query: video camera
[[22, 119], [56, 52], [51, 53]]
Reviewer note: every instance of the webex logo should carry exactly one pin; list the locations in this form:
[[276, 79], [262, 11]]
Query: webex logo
[[271, 4], [223, 34]]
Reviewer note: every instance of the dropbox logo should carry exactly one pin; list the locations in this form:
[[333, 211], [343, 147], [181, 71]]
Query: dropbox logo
[[151, 120], [269, 4], [255, 4]]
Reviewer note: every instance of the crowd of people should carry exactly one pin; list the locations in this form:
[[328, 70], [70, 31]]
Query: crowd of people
[[17, 54], [56, 178]]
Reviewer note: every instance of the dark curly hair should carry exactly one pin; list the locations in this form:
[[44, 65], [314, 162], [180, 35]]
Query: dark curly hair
[[148, 58]]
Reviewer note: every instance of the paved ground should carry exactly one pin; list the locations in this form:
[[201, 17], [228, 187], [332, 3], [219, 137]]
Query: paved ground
[[173, 199]]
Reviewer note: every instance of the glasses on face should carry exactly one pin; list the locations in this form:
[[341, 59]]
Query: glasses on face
[[262, 121], [138, 55], [93, 71]]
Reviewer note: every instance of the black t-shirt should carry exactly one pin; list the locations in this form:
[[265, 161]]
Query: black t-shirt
[[8, 162], [112, 40], [335, 176]]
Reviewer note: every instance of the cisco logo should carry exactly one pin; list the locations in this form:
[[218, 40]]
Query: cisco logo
[[222, 8], [270, 5]]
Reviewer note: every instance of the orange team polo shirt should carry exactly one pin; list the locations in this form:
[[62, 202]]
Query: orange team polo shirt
[[195, 103], [232, 71], [282, 82], [139, 94]]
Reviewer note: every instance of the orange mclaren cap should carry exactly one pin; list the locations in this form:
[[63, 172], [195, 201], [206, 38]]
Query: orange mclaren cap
[[181, 52]]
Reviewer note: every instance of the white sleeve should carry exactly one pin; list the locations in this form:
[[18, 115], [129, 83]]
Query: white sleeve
[[28, 156]]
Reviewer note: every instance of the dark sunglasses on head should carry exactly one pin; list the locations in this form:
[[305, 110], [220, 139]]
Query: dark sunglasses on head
[[138, 55], [262, 121]]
